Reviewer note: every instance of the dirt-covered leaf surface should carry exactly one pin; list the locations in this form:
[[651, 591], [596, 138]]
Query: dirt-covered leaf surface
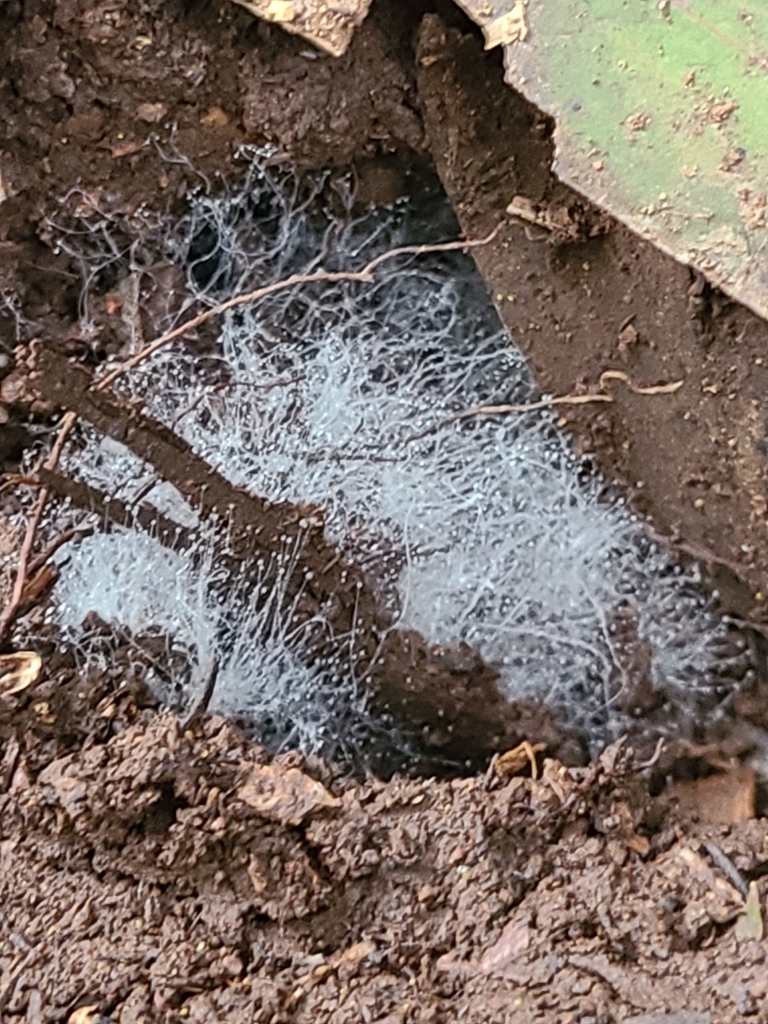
[[660, 114], [141, 879]]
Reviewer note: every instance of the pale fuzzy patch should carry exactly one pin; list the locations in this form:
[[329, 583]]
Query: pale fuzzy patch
[[130, 580], [486, 531]]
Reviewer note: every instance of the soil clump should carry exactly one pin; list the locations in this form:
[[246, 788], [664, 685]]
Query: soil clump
[[155, 874]]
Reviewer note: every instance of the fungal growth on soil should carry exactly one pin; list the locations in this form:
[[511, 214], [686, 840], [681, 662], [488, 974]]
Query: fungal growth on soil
[[481, 529]]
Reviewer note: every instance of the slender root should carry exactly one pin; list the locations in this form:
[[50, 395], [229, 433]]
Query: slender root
[[548, 403], [78, 533], [22, 572], [365, 275]]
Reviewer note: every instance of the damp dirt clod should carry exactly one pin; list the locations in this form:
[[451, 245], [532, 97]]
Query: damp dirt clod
[[185, 876]]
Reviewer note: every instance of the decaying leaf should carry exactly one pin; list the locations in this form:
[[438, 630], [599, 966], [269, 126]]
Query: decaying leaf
[[507, 29], [285, 795], [327, 24], [18, 671], [750, 922]]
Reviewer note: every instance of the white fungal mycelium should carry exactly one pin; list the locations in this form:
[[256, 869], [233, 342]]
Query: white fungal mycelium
[[485, 529]]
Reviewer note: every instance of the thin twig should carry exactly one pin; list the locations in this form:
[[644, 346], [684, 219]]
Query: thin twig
[[112, 510], [698, 552], [67, 423], [16, 480], [202, 699], [501, 410], [22, 572], [758, 627], [726, 865], [365, 275], [548, 403], [79, 532]]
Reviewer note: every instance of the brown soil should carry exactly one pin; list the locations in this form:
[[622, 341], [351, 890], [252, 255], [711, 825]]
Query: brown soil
[[160, 875], [151, 874]]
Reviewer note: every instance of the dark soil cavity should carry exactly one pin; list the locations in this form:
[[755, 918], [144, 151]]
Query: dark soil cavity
[[156, 875]]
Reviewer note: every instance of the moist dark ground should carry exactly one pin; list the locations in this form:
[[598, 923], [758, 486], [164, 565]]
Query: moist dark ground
[[142, 871], [156, 874]]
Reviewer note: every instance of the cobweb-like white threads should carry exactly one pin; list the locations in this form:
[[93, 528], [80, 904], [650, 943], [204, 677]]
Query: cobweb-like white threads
[[487, 531], [265, 676]]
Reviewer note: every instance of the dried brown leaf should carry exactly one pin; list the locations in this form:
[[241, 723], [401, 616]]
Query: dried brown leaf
[[329, 24], [524, 754], [509, 28], [18, 671]]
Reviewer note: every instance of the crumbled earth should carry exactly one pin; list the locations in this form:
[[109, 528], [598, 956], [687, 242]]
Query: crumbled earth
[[153, 874]]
